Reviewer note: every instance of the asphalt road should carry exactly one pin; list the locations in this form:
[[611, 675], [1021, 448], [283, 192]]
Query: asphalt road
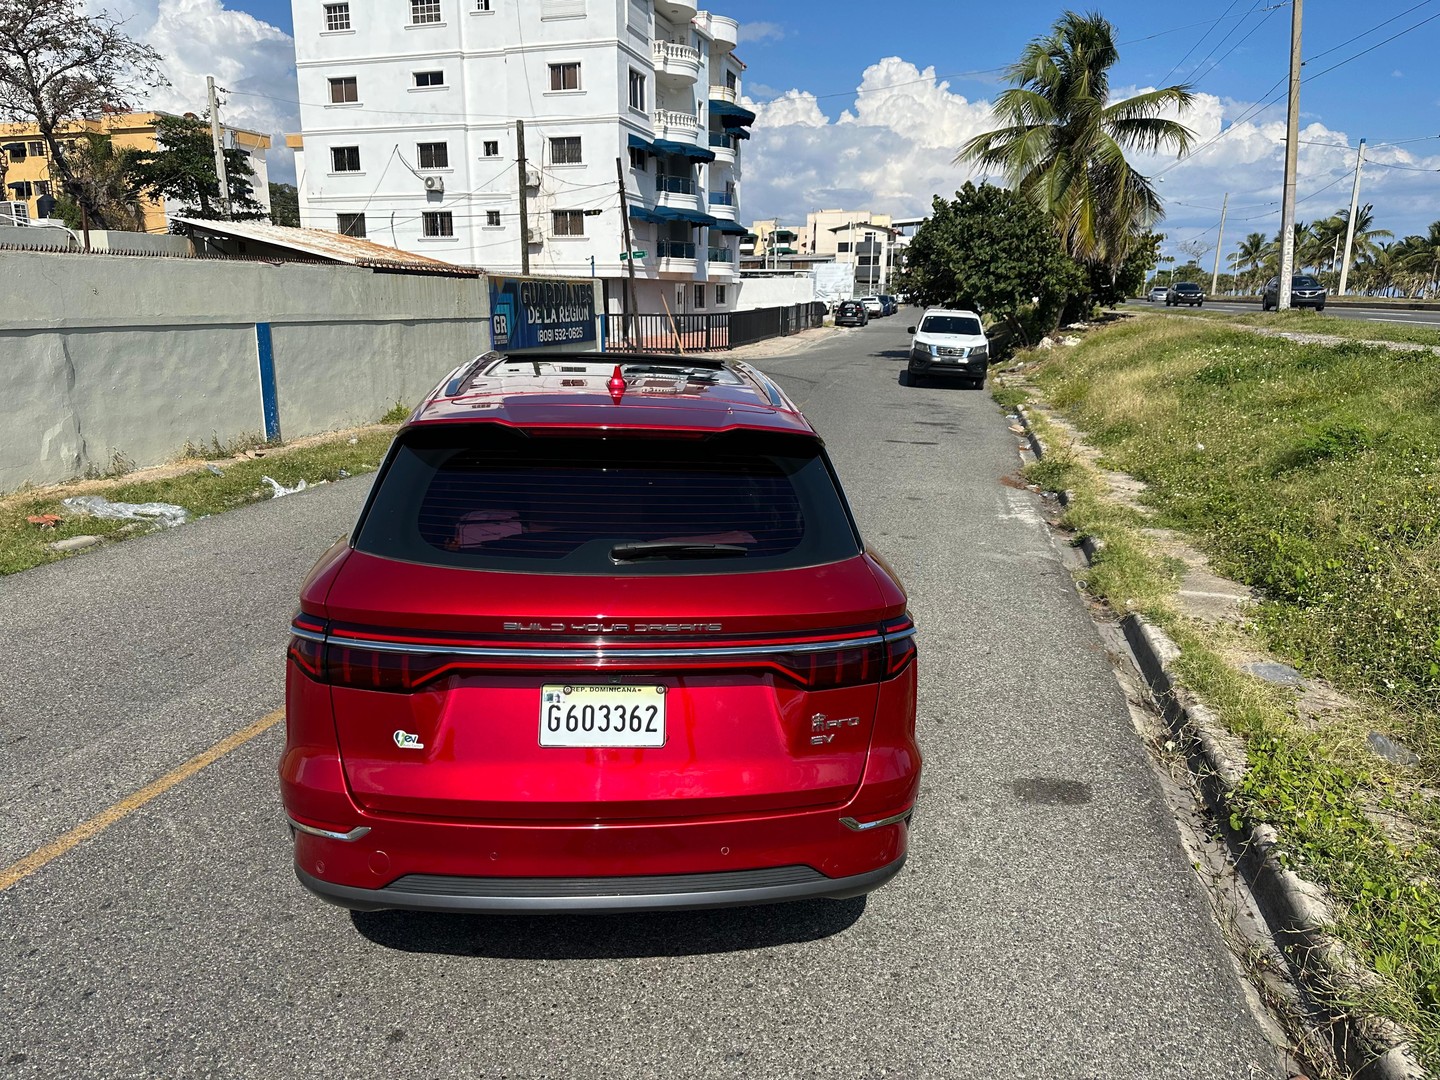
[[1047, 925], [1339, 311]]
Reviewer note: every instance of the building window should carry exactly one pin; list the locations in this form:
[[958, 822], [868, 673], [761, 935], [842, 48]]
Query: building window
[[719, 295], [350, 224], [730, 81], [492, 219], [424, 11], [37, 149], [439, 223], [42, 187], [429, 78], [842, 247], [699, 296], [344, 91], [433, 155], [21, 190], [483, 5], [569, 223], [565, 150], [337, 16], [637, 91], [344, 159], [564, 76], [16, 151], [638, 160], [492, 148]]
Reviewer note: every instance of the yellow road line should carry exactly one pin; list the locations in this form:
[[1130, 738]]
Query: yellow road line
[[19, 871]]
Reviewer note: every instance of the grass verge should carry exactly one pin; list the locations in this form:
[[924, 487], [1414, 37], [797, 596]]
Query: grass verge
[[1312, 473], [198, 489], [1303, 320]]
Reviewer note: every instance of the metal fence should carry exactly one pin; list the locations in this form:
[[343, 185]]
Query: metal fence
[[707, 333]]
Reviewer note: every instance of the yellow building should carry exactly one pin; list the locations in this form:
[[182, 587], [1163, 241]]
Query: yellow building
[[27, 158]]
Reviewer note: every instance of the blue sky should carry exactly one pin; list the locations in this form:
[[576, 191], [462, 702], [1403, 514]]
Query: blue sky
[[927, 70]]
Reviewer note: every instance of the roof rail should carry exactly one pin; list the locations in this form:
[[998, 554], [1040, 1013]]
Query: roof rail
[[466, 372]]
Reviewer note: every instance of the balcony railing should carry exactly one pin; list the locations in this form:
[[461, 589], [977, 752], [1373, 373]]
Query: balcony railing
[[675, 249], [669, 118], [723, 255], [676, 185], [722, 198], [722, 93], [725, 142], [672, 50]]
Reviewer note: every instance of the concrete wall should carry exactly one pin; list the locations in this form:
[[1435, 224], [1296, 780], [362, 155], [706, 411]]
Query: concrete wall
[[103, 355], [52, 237], [764, 292]]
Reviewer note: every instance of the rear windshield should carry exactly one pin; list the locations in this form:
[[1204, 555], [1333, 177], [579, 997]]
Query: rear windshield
[[950, 324], [482, 496]]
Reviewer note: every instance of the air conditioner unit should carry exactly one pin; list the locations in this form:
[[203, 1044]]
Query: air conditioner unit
[[14, 212], [534, 236], [435, 183], [532, 176]]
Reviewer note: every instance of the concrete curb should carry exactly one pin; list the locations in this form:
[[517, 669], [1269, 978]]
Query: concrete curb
[[1295, 910]]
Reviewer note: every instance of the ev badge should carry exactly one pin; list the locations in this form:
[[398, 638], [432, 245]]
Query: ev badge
[[405, 741]]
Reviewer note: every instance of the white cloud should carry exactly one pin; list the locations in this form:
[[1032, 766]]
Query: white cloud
[[892, 149], [761, 31], [247, 56]]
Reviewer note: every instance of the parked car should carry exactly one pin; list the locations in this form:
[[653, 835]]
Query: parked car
[[873, 305], [605, 637], [1305, 291], [851, 313], [951, 344], [1184, 292], [1157, 293], [890, 304]]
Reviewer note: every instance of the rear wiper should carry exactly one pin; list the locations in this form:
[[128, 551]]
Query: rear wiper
[[671, 549]]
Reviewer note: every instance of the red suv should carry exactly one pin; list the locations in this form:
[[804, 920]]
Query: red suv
[[604, 638]]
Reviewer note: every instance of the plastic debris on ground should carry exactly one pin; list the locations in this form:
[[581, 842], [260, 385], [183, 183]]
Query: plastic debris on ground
[[167, 515], [215, 469], [279, 490], [344, 473]]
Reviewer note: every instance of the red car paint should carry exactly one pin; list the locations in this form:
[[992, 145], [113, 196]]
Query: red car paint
[[413, 693]]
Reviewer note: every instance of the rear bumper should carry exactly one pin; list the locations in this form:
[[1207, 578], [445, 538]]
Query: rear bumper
[[668, 892]]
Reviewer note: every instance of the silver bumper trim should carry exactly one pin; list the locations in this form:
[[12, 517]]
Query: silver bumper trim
[[866, 826], [354, 834]]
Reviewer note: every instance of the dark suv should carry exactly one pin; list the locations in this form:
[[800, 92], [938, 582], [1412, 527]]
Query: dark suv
[[1305, 291], [851, 313], [604, 638], [1184, 292]]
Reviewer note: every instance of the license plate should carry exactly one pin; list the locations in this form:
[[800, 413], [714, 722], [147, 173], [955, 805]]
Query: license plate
[[589, 716]]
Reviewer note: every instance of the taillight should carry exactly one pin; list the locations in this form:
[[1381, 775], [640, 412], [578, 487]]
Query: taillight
[[899, 645], [307, 645]]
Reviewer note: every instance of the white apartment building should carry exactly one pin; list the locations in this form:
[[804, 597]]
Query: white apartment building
[[408, 115]]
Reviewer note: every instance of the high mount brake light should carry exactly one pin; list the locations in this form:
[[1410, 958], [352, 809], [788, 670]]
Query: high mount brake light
[[403, 672]]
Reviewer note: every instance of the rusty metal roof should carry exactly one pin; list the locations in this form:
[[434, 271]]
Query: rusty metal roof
[[320, 244]]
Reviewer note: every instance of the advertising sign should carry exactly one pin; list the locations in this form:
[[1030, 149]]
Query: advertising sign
[[531, 313]]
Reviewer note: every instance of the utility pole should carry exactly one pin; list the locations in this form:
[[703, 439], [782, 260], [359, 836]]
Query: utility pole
[[1219, 245], [1292, 154], [631, 308], [524, 199], [218, 142], [1350, 226]]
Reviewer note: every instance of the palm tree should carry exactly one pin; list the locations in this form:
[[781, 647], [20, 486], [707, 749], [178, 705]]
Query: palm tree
[[1251, 257], [1062, 141], [103, 174], [1418, 257]]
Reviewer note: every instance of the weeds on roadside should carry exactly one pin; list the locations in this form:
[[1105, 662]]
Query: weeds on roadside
[[396, 414]]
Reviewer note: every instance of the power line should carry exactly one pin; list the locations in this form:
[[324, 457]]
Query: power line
[[1198, 43]]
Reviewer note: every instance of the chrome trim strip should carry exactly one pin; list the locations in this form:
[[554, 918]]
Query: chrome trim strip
[[601, 651], [866, 826], [899, 635], [354, 834], [308, 635]]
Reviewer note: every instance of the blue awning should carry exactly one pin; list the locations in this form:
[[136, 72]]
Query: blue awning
[[730, 228], [738, 132], [637, 143], [641, 213], [730, 114], [687, 150], [695, 217]]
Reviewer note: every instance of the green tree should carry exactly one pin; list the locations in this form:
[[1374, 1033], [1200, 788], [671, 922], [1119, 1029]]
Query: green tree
[[1252, 260], [100, 181], [992, 251], [1418, 259], [1062, 142], [182, 168], [285, 205], [58, 64]]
